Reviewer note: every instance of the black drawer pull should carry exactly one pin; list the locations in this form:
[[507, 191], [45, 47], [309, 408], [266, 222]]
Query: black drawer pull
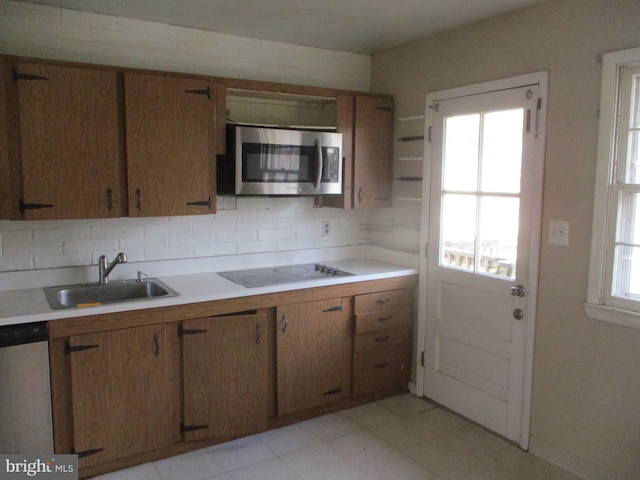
[[383, 300], [384, 319], [382, 339], [381, 365]]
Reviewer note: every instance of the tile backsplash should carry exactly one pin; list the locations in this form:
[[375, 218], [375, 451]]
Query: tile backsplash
[[241, 226]]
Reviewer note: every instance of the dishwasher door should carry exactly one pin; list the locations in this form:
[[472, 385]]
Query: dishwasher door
[[25, 390]]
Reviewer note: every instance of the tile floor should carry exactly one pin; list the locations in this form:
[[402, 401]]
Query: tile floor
[[399, 438]]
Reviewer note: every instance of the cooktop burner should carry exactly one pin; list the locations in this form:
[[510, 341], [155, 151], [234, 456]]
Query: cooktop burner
[[262, 277]]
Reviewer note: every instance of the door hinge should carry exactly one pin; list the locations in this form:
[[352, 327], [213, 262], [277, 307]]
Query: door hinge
[[191, 428], [422, 359], [429, 136], [538, 110], [189, 331], [86, 453], [77, 348], [32, 206], [25, 76], [201, 203], [337, 308], [332, 392], [203, 91], [426, 250]]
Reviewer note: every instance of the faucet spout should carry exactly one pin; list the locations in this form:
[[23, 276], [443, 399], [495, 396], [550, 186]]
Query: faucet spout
[[105, 268]]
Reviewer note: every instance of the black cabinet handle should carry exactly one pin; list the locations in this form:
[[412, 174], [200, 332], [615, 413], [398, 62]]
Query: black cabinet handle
[[110, 202], [138, 200]]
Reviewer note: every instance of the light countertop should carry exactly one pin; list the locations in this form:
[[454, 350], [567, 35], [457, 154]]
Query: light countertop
[[30, 305]]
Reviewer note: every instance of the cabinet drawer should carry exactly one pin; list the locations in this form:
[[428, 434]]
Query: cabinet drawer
[[381, 368], [382, 338], [383, 300], [371, 322]]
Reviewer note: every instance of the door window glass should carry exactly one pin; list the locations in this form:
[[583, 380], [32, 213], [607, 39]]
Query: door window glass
[[480, 195]]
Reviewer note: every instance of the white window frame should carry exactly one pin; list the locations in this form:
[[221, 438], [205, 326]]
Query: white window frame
[[601, 304]]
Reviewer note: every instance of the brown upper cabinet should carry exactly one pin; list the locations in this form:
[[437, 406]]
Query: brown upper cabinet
[[10, 183], [366, 123], [372, 152], [72, 164], [170, 130], [80, 141]]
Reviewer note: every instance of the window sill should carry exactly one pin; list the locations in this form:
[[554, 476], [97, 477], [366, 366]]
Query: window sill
[[613, 315]]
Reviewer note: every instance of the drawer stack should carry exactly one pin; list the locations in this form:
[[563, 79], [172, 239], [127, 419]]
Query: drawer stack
[[382, 342]]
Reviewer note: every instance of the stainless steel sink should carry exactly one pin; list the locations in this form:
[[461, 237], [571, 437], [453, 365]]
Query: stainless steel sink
[[93, 294]]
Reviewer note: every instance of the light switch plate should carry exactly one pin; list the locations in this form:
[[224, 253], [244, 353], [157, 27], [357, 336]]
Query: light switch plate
[[559, 233]]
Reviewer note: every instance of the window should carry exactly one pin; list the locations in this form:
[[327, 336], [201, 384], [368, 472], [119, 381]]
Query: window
[[614, 273]]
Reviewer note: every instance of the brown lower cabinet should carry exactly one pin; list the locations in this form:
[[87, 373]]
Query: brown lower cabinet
[[225, 376], [314, 346], [382, 348], [138, 386], [119, 393]]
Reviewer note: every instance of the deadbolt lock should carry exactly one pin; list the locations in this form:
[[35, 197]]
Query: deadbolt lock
[[517, 291]]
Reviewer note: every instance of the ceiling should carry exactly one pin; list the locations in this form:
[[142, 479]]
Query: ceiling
[[359, 26]]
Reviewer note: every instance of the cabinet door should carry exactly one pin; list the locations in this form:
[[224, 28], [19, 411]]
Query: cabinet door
[[72, 166], [313, 354], [225, 376], [170, 145], [373, 152], [119, 393], [10, 177], [344, 120]]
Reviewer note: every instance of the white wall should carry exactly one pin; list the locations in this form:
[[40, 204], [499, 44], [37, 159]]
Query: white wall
[[61, 34], [251, 225], [586, 388]]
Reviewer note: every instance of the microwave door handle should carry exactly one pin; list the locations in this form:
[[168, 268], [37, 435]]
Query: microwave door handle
[[319, 172]]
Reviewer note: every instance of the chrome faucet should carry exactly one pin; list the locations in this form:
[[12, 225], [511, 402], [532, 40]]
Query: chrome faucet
[[104, 267]]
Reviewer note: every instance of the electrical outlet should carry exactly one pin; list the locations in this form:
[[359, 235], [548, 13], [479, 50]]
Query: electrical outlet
[[325, 228], [559, 233]]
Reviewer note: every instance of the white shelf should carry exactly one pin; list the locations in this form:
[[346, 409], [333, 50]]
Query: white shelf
[[410, 118]]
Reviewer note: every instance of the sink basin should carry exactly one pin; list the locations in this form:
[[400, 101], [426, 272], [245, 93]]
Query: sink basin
[[93, 294]]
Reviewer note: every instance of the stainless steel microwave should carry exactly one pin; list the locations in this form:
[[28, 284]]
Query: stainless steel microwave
[[277, 161]]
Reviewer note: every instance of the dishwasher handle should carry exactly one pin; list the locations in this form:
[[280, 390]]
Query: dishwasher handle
[[23, 333]]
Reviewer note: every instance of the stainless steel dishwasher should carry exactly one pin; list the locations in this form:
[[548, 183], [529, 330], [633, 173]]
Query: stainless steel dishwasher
[[25, 389]]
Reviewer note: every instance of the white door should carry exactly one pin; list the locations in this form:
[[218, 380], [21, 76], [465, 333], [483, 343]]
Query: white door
[[482, 244]]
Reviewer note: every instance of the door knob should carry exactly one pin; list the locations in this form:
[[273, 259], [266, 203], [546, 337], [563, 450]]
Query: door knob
[[517, 291], [518, 314]]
